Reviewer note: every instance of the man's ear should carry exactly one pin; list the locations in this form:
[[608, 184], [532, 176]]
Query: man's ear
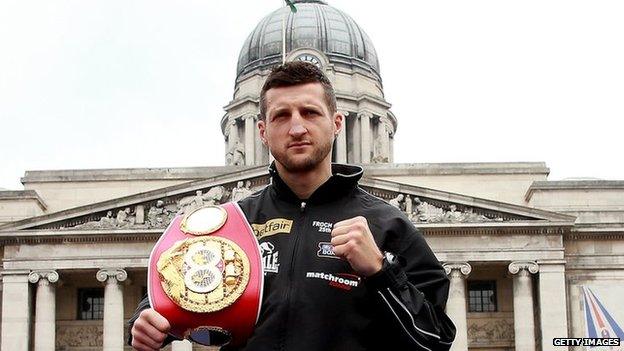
[[262, 129], [339, 121]]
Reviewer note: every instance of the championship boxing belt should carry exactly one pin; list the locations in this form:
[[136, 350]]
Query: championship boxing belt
[[205, 276]]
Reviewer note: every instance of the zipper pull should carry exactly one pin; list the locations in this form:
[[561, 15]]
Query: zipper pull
[[303, 205]]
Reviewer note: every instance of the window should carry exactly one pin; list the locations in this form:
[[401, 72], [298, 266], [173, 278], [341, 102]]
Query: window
[[482, 296], [90, 303]]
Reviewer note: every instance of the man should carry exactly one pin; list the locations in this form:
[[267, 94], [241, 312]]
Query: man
[[352, 272]]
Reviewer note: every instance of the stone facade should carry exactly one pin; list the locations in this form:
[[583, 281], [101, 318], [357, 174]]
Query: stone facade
[[539, 259]]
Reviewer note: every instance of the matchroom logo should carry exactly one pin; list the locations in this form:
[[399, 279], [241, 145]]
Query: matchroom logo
[[342, 281]]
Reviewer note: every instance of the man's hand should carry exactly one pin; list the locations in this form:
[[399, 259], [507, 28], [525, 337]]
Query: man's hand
[[353, 241], [149, 331]]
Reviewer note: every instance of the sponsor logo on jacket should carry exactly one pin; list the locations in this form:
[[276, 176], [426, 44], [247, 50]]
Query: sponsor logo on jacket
[[272, 227], [339, 280], [269, 257], [326, 250], [323, 227]]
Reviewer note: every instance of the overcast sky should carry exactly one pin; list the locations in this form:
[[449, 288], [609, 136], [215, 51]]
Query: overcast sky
[[133, 83]]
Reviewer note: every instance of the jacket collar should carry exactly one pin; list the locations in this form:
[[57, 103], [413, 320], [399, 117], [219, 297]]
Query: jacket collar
[[343, 180]]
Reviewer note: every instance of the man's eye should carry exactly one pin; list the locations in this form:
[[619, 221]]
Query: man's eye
[[279, 116], [311, 113]]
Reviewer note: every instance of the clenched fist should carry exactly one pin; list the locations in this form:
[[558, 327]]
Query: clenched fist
[[353, 241], [149, 331]]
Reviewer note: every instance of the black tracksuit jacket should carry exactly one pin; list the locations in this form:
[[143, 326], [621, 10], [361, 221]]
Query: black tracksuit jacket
[[315, 301]]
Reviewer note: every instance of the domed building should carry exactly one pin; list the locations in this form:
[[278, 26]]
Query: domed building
[[528, 259], [329, 38]]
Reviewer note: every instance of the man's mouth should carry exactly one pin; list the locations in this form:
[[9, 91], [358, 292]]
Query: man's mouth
[[299, 144]]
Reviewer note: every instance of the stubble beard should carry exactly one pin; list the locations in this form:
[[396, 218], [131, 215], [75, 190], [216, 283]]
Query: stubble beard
[[297, 165]]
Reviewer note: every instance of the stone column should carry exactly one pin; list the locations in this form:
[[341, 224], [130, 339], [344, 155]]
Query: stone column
[[456, 305], [45, 309], [182, 345], [384, 139], [524, 326], [113, 307], [365, 134], [553, 302], [576, 308], [16, 311], [260, 148], [341, 140], [250, 144], [231, 130], [233, 138]]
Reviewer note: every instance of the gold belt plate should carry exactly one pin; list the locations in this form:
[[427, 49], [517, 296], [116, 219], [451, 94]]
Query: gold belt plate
[[204, 274]]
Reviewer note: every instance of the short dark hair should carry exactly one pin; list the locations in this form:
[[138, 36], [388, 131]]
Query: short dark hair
[[296, 73]]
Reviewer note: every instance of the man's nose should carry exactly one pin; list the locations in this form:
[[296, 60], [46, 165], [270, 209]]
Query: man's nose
[[296, 126]]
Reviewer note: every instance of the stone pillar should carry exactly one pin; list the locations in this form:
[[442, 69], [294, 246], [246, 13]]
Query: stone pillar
[[260, 148], [341, 140], [250, 144], [113, 307], [553, 302], [16, 310], [576, 308], [45, 309], [233, 138], [524, 325], [384, 139], [456, 305], [365, 135], [231, 131], [182, 345]]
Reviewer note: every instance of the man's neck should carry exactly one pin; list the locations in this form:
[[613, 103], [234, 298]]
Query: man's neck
[[303, 184]]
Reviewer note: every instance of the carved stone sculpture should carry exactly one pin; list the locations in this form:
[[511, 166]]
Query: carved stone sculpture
[[236, 154], [241, 191], [189, 203], [409, 205], [396, 202], [158, 216], [124, 218]]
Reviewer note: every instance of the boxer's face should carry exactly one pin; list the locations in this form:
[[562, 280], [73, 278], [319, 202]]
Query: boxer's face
[[299, 128]]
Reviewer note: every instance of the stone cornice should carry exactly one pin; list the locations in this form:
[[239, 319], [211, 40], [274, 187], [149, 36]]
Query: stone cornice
[[190, 173], [23, 195], [364, 98], [44, 236], [241, 100], [128, 174], [498, 229], [596, 231], [32, 237], [475, 168], [573, 185]]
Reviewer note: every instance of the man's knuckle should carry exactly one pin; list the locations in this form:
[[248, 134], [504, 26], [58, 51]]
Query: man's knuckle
[[138, 326], [161, 337], [137, 345]]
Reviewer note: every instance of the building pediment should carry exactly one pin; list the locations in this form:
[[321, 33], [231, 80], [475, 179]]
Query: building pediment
[[150, 212]]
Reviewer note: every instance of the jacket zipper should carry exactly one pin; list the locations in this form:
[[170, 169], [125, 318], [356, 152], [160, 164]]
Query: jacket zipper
[[293, 256]]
